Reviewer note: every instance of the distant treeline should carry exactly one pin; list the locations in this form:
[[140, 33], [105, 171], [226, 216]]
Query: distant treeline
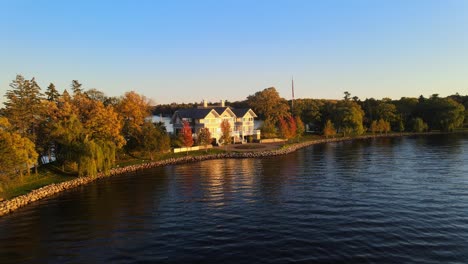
[[350, 115]]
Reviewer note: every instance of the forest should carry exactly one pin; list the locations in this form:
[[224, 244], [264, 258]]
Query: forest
[[85, 132]]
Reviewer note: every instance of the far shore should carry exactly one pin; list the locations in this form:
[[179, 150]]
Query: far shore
[[270, 149]]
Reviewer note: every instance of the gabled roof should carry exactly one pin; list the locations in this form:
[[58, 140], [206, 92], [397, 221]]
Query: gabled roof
[[241, 112], [194, 113], [221, 110]]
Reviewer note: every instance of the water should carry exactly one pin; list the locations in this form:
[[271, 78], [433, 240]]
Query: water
[[400, 200]]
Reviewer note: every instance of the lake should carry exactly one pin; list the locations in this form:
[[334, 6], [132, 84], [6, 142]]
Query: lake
[[387, 200]]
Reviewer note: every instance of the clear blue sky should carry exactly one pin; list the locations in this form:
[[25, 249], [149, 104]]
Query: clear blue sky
[[185, 51]]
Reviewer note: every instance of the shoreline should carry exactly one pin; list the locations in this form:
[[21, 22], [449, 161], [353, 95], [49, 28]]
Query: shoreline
[[10, 205]]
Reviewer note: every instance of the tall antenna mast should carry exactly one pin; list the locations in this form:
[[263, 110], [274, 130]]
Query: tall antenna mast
[[292, 90]]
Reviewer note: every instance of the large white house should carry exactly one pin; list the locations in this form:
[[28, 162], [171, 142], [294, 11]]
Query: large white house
[[241, 121]]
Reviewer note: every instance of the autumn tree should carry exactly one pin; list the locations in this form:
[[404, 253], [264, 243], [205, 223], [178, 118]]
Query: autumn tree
[[204, 137], [87, 134], [225, 132], [384, 126], [186, 135], [329, 129], [288, 127], [133, 109], [269, 104], [17, 153], [300, 128]]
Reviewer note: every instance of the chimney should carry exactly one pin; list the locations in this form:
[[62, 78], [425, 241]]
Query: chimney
[[205, 103], [222, 103]]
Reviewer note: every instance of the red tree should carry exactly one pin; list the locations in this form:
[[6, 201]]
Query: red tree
[[288, 127], [186, 132]]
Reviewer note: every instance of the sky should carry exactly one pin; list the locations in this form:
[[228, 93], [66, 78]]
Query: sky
[[187, 51]]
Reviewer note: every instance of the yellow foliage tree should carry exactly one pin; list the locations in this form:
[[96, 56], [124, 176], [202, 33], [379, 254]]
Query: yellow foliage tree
[[17, 153]]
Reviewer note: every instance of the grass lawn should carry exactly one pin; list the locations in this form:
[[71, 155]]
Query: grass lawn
[[44, 177]]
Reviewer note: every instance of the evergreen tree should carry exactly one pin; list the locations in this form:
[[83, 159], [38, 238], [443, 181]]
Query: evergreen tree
[[51, 93]]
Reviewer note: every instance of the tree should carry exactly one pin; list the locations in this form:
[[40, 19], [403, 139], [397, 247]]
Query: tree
[[204, 137], [76, 87], [133, 109], [347, 95], [155, 139], [348, 116], [419, 125], [329, 129], [51, 93], [17, 153], [384, 126], [186, 135], [300, 128], [268, 129], [386, 110], [288, 127], [269, 105], [23, 106], [441, 113], [225, 132], [96, 95], [374, 127], [401, 126]]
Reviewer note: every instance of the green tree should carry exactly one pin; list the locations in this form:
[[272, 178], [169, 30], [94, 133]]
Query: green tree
[[204, 137], [23, 106], [441, 113], [76, 87], [348, 117], [386, 110], [51, 93], [155, 139], [419, 125]]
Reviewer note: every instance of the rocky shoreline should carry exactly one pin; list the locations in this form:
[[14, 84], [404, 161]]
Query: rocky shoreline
[[13, 204]]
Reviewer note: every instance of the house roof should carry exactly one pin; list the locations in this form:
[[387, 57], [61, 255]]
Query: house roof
[[241, 112], [221, 110], [200, 113], [194, 113]]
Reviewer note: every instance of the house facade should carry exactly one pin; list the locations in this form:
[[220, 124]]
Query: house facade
[[241, 121]]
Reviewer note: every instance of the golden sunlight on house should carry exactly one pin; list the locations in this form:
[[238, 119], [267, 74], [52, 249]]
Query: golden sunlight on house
[[240, 120]]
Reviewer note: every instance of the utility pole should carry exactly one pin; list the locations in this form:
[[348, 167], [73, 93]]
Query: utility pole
[[292, 90]]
